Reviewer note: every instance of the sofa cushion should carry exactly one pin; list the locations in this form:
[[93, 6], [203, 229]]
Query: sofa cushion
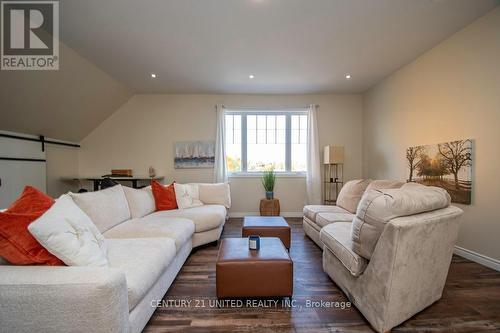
[[140, 201], [152, 226], [380, 184], [324, 219], [69, 234], [351, 193], [106, 208], [311, 211], [187, 195], [143, 260], [379, 207], [206, 217], [215, 194], [337, 238]]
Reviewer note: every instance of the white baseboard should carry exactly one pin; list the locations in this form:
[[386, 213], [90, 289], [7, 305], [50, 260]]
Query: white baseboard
[[477, 257], [284, 214]]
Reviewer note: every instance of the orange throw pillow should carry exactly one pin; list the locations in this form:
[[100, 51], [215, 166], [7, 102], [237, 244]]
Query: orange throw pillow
[[17, 245], [164, 196]]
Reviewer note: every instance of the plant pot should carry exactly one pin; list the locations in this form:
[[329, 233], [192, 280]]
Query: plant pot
[[269, 195]]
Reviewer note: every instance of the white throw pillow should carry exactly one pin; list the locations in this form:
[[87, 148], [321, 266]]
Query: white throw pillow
[[187, 195], [69, 234], [141, 202], [215, 194], [379, 207], [106, 208], [384, 184], [350, 194]]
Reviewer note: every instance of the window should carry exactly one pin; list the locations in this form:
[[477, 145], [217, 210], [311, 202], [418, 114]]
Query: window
[[258, 140]]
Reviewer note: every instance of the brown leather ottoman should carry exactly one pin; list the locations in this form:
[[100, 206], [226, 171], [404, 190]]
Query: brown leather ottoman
[[267, 226], [241, 272]]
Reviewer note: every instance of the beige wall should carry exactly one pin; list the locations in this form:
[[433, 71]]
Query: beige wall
[[143, 131], [61, 162], [66, 104], [451, 92]]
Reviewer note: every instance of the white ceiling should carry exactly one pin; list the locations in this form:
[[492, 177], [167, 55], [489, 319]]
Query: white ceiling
[[291, 46]]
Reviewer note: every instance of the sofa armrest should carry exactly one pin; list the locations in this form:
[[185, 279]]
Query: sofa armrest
[[63, 299], [410, 264]]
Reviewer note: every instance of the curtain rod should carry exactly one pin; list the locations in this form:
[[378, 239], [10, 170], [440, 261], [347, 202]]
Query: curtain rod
[[266, 108]]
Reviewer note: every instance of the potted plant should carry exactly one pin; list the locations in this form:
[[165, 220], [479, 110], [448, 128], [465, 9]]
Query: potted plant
[[268, 181]]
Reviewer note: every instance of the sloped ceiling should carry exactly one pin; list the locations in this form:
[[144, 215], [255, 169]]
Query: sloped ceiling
[[66, 104], [290, 46]]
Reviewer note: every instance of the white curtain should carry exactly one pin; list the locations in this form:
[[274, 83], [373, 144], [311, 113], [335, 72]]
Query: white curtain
[[220, 168], [313, 179]]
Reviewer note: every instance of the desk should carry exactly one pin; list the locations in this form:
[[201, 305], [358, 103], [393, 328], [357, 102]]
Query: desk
[[97, 180]]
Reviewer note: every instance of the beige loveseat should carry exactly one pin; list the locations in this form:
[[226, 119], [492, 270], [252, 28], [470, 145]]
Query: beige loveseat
[[391, 256], [146, 250], [319, 216]]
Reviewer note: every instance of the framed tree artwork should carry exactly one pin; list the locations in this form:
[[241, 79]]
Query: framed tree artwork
[[447, 165]]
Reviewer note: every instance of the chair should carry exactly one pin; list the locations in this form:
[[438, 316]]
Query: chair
[[392, 260]]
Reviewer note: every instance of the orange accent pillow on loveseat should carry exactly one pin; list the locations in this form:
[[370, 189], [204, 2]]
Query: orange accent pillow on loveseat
[[164, 196], [17, 245]]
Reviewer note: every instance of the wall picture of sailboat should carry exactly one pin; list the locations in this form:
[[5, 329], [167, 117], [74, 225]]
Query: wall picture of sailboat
[[194, 154]]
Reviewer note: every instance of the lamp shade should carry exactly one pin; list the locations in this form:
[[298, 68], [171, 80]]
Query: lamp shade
[[333, 155]]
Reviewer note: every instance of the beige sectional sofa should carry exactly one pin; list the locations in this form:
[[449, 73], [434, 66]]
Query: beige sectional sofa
[[146, 250], [392, 254]]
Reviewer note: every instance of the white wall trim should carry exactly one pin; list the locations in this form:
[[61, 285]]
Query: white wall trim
[[477, 257], [284, 214]]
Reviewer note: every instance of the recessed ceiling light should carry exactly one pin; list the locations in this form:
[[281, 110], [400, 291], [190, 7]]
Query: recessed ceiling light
[[348, 76], [251, 76], [153, 75]]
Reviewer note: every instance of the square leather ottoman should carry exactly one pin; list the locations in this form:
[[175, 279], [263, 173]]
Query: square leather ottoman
[[241, 272], [267, 226]]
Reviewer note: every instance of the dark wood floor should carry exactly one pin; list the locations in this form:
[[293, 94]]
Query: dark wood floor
[[470, 303]]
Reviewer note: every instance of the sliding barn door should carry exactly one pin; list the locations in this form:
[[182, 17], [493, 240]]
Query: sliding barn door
[[15, 174]]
